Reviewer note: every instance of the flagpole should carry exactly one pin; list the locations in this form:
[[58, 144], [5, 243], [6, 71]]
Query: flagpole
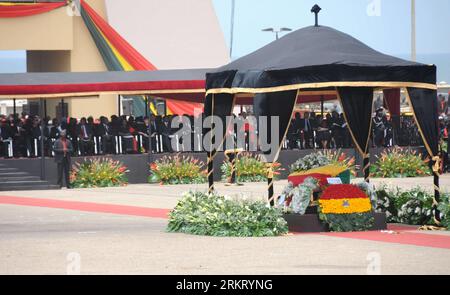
[[233, 5]]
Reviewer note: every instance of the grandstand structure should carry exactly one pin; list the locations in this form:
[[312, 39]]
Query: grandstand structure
[[114, 35]]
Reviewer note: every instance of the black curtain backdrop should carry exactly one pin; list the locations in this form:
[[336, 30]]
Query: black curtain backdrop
[[357, 105], [219, 105], [275, 104], [425, 107]]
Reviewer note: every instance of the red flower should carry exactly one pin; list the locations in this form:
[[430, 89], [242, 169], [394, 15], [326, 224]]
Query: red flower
[[154, 167], [343, 191]]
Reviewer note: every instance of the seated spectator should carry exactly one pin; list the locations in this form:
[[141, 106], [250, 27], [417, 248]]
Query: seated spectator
[[85, 135], [107, 138], [127, 137]]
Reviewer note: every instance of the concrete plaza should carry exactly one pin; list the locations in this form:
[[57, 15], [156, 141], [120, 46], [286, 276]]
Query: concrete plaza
[[39, 237]]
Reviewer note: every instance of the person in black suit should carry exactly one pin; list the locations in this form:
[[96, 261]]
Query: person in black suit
[[85, 134], [148, 130], [166, 131], [5, 138], [72, 132], [294, 132], [63, 148], [308, 131], [105, 132]]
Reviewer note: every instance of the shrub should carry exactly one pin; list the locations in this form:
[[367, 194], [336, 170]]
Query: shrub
[[400, 162], [212, 215], [412, 207], [98, 173], [177, 169], [249, 168], [444, 208]]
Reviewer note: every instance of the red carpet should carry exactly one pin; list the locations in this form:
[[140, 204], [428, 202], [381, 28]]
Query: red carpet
[[87, 207], [403, 234], [401, 237]]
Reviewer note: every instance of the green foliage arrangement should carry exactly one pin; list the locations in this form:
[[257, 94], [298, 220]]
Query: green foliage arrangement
[[177, 169], [412, 207], [444, 208], [98, 173], [398, 163], [444, 145], [311, 161], [348, 222], [212, 215], [323, 158], [249, 168]]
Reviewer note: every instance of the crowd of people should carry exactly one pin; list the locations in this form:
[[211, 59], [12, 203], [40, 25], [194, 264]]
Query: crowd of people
[[331, 131], [20, 135]]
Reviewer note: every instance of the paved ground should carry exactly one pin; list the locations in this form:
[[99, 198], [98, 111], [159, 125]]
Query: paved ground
[[47, 240]]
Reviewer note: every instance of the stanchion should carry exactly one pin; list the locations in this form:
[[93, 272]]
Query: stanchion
[[270, 183], [232, 156], [211, 172], [366, 168]]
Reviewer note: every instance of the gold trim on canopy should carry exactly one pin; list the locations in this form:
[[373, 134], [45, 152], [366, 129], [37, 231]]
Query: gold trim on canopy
[[323, 85]]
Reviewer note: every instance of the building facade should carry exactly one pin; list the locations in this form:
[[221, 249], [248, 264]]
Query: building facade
[[171, 34]]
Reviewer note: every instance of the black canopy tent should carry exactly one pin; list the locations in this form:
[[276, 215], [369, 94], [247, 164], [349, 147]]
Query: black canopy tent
[[315, 59]]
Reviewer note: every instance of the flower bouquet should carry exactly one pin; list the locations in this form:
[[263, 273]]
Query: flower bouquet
[[177, 169], [250, 168], [98, 173]]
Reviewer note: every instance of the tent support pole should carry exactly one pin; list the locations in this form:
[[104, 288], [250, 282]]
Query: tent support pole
[[119, 109], [150, 143], [322, 109], [270, 184], [437, 198], [366, 170], [211, 171], [146, 106]]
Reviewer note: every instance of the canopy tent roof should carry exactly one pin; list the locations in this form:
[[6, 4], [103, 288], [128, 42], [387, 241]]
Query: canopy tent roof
[[187, 85], [317, 57], [184, 85]]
